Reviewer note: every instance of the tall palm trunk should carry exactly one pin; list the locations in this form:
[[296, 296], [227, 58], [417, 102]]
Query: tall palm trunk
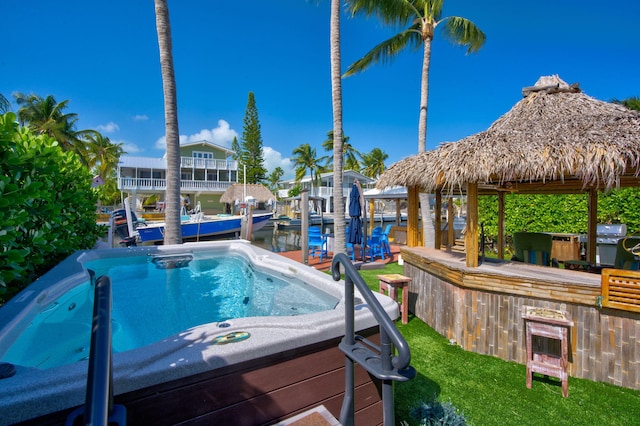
[[336, 98], [172, 229], [428, 230]]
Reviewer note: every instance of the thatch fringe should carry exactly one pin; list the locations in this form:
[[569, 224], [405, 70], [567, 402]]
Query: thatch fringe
[[236, 192]]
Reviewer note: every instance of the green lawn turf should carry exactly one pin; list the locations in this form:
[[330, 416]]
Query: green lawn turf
[[490, 391]]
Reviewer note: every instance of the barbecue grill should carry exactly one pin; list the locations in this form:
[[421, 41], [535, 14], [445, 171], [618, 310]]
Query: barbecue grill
[[607, 236]]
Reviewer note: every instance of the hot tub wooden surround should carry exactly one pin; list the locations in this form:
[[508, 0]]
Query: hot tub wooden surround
[[480, 308], [262, 391]]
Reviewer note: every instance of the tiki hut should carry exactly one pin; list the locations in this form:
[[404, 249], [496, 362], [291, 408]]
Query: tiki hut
[[555, 140], [235, 194]]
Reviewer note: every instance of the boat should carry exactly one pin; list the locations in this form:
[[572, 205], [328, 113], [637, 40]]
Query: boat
[[197, 226], [314, 219]]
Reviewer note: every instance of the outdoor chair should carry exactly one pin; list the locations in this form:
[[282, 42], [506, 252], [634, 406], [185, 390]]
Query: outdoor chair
[[624, 259], [534, 248], [374, 244], [385, 240], [317, 243]]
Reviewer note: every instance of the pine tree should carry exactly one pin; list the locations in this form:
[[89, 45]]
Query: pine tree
[[249, 152]]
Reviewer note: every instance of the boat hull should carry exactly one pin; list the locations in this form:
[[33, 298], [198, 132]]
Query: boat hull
[[205, 228]]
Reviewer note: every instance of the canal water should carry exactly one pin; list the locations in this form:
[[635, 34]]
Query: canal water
[[280, 240]]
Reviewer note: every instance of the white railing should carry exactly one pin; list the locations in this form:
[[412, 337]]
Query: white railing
[[208, 163], [142, 184], [324, 191]]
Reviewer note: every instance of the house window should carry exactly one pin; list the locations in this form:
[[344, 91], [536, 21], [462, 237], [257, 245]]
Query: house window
[[200, 154]]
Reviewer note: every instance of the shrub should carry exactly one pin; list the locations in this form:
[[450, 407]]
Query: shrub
[[435, 413], [47, 206]]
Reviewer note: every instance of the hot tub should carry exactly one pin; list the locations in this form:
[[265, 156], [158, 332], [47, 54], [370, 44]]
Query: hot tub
[[182, 356]]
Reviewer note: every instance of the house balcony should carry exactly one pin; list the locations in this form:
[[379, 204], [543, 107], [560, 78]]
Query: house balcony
[[207, 163], [159, 185], [324, 191]]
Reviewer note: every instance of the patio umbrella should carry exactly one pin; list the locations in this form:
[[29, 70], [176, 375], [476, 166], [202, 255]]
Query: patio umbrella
[[355, 224]]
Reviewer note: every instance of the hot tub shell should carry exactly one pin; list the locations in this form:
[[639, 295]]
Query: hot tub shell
[[186, 358]]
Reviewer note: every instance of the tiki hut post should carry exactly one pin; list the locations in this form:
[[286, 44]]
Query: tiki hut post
[[451, 234], [471, 236], [592, 225], [438, 221], [501, 225], [372, 223], [413, 233]]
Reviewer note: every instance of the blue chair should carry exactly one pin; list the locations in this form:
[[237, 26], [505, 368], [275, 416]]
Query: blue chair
[[317, 243], [385, 240], [374, 244]]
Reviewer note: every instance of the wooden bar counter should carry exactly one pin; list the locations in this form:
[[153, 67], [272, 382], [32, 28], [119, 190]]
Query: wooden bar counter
[[480, 309]]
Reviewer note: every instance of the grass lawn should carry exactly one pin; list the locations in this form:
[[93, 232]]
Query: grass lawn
[[490, 391]]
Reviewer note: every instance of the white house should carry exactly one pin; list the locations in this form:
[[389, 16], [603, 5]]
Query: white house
[[325, 188], [206, 171]]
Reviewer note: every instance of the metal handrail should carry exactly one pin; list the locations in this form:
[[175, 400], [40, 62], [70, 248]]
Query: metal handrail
[[99, 408], [377, 360], [99, 399]]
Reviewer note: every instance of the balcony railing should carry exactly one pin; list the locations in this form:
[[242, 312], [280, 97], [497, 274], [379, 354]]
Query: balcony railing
[[208, 163], [324, 191], [141, 184]]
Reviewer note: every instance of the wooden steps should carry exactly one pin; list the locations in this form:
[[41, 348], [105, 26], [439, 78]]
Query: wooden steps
[[317, 416]]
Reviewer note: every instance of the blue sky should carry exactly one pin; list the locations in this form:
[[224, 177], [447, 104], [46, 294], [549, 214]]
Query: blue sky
[[103, 57]]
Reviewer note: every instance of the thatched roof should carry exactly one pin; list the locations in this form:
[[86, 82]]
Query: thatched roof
[[554, 133], [236, 192]]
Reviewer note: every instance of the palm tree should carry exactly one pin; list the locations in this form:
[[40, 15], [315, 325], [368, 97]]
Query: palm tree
[[420, 17], [102, 154], [274, 177], [5, 105], [46, 116], [338, 136], [304, 158], [172, 230], [350, 154], [374, 163], [631, 103]]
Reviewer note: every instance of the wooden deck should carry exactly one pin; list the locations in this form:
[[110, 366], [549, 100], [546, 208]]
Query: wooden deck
[[325, 265]]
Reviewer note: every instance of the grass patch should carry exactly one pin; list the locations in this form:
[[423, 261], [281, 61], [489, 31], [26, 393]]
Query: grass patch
[[490, 391]]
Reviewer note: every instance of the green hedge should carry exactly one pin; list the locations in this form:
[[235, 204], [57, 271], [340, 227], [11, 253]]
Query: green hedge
[[47, 206]]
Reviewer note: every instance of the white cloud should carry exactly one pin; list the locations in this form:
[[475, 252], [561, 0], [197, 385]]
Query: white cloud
[[140, 117], [222, 135], [128, 147], [110, 127], [273, 159]]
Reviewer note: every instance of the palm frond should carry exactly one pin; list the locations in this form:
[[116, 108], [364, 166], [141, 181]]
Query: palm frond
[[387, 50], [464, 32], [432, 8], [390, 12]]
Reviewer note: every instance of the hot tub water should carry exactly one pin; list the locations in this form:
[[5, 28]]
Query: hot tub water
[[152, 303]]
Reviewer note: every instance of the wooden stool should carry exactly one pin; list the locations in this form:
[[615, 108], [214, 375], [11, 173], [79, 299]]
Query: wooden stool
[[390, 283], [550, 324]]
